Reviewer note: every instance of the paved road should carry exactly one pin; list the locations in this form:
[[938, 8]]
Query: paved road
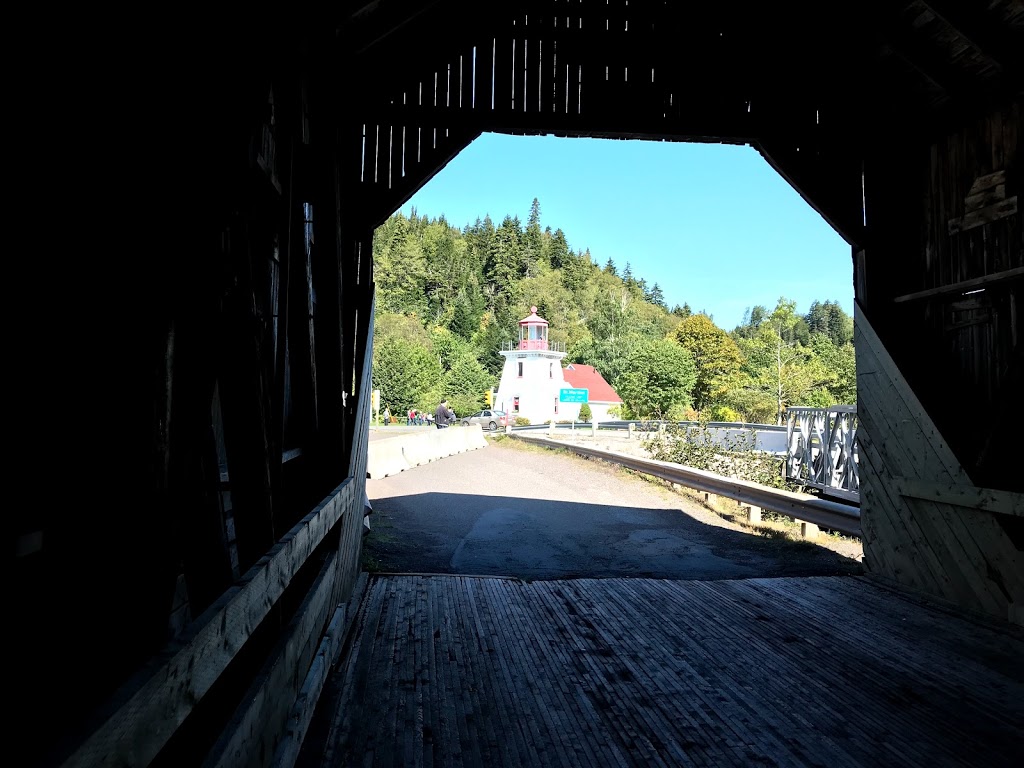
[[536, 514]]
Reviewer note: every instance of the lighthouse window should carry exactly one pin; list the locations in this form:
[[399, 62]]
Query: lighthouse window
[[520, 370], [551, 372]]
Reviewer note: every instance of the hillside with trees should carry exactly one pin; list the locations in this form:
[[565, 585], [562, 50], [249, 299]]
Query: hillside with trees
[[446, 298]]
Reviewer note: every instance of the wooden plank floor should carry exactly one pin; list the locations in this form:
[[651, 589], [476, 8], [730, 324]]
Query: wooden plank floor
[[830, 671]]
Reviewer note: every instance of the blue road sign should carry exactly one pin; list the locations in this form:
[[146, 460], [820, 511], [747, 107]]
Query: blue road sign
[[573, 395]]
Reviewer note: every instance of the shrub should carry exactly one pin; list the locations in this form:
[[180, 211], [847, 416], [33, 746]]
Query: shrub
[[735, 456], [725, 413], [585, 414], [678, 413], [521, 421]]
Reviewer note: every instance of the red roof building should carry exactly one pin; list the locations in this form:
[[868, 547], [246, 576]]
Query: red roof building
[[587, 377]]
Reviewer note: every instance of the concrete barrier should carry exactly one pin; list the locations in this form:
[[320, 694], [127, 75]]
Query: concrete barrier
[[475, 437], [397, 454], [450, 441], [421, 448], [385, 457]]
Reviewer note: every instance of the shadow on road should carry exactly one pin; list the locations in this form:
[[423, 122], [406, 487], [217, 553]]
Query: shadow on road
[[541, 539]]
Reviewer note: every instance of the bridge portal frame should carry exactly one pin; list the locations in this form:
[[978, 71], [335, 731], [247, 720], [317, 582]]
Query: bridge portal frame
[[199, 391]]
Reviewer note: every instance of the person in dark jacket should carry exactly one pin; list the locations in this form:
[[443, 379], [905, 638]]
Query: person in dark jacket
[[444, 415]]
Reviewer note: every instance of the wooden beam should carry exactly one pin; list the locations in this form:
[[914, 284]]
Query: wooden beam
[[984, 499], [984, 35], [985, 215], [708, 122], [152, 708], [379, 203], [263, 717], [925, 59], [375, 21], [964, 285], [819, 184]]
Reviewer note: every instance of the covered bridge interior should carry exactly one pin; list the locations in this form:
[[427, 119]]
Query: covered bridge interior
[[189, 543]]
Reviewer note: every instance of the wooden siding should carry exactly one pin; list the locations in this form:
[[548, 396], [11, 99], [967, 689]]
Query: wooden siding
[[956, 288], [830, 671], [232, 403], [612, 70], [921, 530]]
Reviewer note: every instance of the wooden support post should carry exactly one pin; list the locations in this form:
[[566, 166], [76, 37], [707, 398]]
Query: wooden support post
[[753, 513], [632, 430], [808, 530]]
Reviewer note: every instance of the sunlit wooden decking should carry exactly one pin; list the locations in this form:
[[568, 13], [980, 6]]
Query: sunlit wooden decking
[[831, 671]]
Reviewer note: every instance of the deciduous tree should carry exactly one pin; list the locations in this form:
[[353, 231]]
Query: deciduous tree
[[714, 354], [403, 372], [659, 376]]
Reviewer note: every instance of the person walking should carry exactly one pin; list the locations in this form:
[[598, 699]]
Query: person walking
[[444, 415]]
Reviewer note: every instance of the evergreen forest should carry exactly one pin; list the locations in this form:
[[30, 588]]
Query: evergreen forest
[[446, 299]]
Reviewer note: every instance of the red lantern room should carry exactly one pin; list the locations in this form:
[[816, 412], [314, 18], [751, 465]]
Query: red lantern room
[[533, 331]]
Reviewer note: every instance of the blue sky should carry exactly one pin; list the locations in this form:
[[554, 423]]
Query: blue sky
[[712, 224]]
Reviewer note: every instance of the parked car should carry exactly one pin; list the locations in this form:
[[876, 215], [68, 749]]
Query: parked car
[[489, 420]]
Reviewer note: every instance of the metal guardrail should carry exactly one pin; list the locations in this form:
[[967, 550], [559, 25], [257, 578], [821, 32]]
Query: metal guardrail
[[820, 452], [645, 427], [768, 438], [827, 514]]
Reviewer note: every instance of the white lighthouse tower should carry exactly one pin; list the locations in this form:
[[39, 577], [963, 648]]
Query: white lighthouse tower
[[532, 376]]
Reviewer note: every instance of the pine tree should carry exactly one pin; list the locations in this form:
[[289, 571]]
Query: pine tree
[[464, 322], [576, 270], [627, 274], [533, 243], [683, 311], [504, 265], [656, 297], [558, 249]]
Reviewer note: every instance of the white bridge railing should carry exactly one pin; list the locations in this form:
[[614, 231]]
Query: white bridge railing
[[822, 449]]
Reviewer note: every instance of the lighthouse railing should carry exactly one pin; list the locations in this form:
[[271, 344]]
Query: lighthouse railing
[[526, 345]]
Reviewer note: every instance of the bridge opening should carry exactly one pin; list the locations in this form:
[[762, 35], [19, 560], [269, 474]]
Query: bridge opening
[[689, 279], [624, 246]]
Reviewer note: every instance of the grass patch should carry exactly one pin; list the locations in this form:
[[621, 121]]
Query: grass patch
[[375, 543], [371, 564]]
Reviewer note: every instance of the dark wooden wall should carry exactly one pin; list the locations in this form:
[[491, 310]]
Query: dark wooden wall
[[946, 280], [194, 398], [940, 363], [207, 372]]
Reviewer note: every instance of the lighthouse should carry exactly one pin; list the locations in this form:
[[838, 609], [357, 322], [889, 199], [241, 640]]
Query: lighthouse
[[531, 378]]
